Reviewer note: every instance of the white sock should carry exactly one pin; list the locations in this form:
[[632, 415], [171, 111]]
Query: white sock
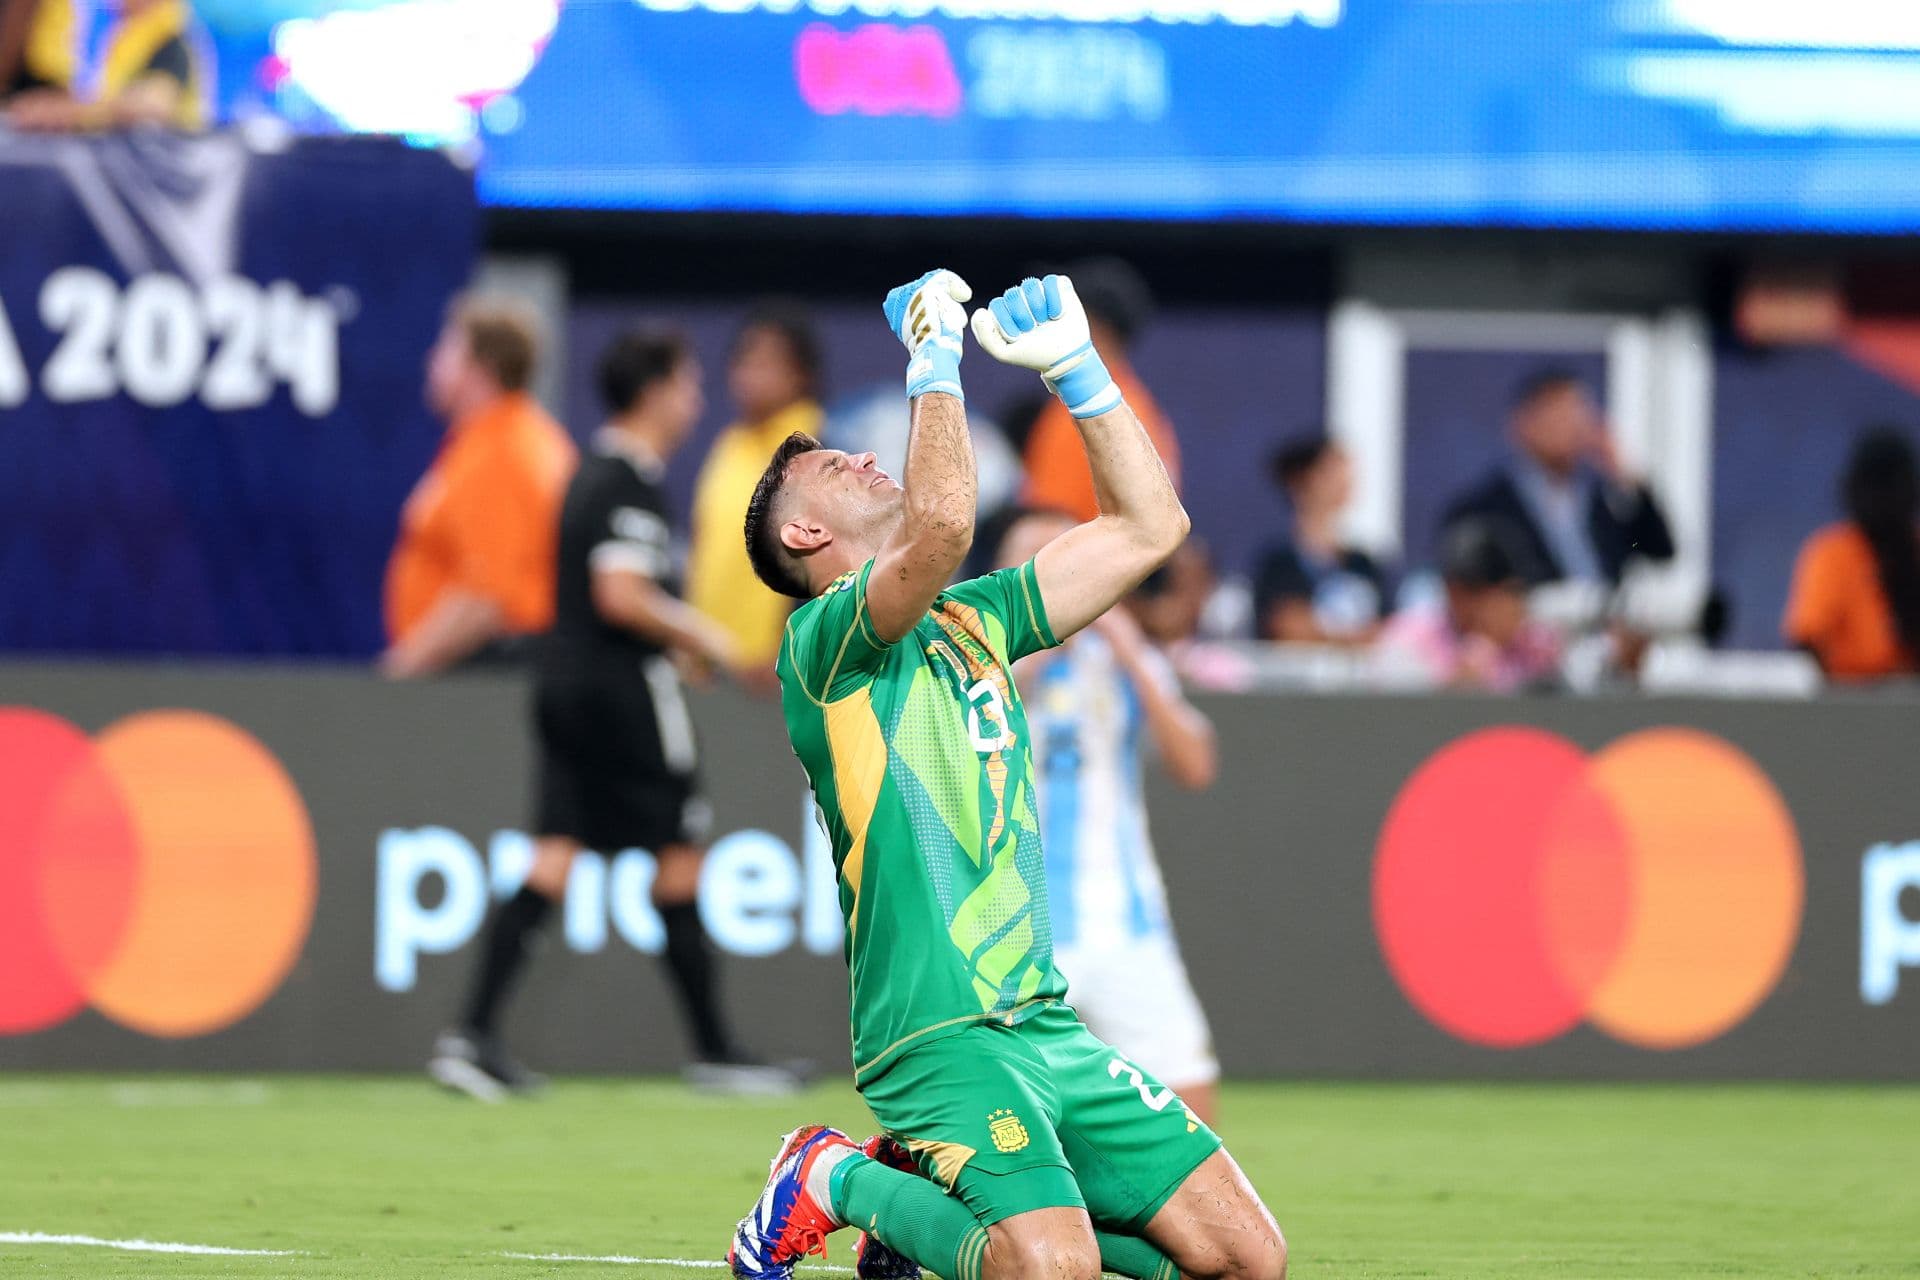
[[820, 1175]]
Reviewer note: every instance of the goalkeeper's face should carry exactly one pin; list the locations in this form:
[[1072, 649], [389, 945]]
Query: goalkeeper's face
[[845, 495]]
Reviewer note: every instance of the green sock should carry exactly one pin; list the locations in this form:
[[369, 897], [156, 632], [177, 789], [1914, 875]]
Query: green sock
[[910, 1215], [1132, 1256]]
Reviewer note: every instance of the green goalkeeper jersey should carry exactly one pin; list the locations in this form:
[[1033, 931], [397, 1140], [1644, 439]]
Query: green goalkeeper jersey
[[920, 761]]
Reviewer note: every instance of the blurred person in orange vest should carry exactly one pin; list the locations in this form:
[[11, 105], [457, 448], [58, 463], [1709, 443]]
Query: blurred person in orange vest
[[473, 569], [773, 376], [58, 77], [1118, 305], [1855, 604]]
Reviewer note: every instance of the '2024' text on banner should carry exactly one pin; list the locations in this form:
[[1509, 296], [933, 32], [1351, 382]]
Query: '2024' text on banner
[[210, 370]]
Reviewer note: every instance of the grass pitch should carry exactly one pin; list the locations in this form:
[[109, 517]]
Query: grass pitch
[[388, 1178]]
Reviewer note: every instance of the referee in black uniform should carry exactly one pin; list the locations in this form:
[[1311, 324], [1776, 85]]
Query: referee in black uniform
[[618, 756]]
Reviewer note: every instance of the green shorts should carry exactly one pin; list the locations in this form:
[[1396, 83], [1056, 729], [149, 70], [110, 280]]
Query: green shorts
[[1039, 1116]]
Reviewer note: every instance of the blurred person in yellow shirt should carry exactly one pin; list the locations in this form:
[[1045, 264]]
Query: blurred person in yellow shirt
[[140, 69], [773, 376]]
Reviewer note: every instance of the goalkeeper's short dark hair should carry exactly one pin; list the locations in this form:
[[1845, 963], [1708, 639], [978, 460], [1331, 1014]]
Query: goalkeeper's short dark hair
[[772, 562]]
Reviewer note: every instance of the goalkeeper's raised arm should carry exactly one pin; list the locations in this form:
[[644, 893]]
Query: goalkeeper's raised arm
[[1040, 325], [936, 528], [819, 514]]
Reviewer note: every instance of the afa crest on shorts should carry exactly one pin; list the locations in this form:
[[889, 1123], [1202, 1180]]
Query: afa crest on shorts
[[1009, 1135]]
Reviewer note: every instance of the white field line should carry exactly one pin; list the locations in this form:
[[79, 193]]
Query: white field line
[[625, 1260], [142, 1246]]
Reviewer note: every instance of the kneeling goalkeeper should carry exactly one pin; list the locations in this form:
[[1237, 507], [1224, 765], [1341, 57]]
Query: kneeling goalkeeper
[[1046, 1153]]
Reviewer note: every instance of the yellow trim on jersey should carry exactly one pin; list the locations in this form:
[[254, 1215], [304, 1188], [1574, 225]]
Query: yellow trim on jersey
[[949, 1158], [865, 623], [1030, 573], [860, 624], [1008, 1017], [859, 756]]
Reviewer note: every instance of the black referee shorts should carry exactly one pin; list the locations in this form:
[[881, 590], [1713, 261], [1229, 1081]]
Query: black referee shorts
[[619, 761]]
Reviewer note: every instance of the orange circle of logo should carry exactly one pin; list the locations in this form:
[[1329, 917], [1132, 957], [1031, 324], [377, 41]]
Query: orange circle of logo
[[162, 872], [1653, 890]]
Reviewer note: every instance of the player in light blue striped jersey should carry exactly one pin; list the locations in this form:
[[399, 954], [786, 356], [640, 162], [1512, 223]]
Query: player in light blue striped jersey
[[1097, 708]]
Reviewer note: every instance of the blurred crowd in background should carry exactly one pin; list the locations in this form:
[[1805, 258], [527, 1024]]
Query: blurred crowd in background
[[1525, 582], [1522, 594]]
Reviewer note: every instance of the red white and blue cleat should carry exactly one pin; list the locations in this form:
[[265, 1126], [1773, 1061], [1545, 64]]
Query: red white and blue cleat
[[871, 1259], [786, 1224]]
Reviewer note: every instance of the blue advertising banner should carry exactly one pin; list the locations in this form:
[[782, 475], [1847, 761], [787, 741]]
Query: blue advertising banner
[[211, 360], [1705, 114]]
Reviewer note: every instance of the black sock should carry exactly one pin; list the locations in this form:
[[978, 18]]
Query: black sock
[[504, 954], [689, 960]]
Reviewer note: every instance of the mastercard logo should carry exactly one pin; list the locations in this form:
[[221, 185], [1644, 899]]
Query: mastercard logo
[[162, 872], [1652, 890]]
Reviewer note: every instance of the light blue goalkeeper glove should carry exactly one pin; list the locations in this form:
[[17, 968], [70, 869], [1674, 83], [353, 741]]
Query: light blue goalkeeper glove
[[1040, 325], [927, 316]]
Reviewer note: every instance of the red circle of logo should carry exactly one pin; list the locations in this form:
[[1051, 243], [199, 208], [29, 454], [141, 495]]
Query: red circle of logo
[[162, 872]]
